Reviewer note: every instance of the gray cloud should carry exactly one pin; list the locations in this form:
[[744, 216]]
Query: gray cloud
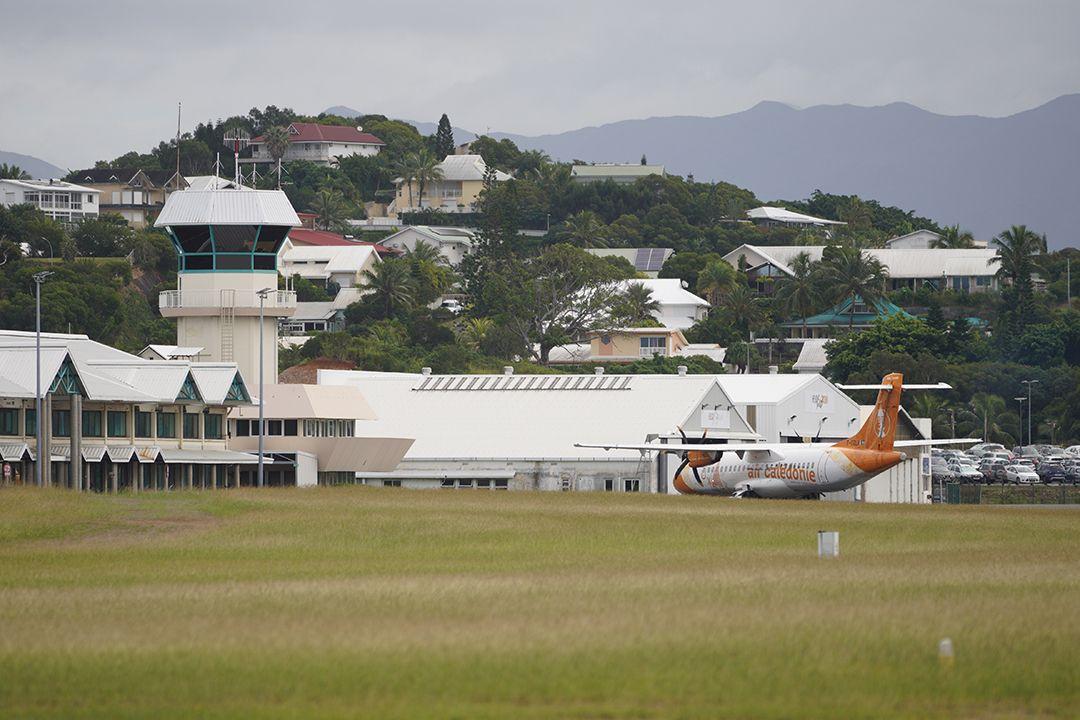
[[83, 81]]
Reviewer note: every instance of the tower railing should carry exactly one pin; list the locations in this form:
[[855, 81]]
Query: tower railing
[[202, 298]]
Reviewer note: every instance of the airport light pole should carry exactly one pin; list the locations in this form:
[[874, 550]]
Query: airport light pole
[[1029, 383], [39, 277], [1021, 400], [262, 300]]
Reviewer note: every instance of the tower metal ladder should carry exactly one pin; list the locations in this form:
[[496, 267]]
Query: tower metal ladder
[[227, 323]]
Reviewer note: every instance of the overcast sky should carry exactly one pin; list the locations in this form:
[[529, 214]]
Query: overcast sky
[[82, 81]]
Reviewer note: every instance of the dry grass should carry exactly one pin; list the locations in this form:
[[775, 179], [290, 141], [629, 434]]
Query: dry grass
[[391, 603]]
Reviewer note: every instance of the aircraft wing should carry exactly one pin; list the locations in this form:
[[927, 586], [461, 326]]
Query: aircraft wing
[[943, 441], [775, 448]]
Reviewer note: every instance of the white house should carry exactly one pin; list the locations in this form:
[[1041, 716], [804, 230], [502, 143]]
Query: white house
[[920, 240], [964, 270], [60, 200], [679, 308], [620, 173], [452, 243], [647, 261], [769, 215], [323, 264], [322, 144]]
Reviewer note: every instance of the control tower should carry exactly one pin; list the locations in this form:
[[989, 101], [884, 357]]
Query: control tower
[[227, 242]]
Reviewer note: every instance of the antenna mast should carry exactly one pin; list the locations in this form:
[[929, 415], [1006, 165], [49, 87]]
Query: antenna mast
[[237, 139], [178, 105]]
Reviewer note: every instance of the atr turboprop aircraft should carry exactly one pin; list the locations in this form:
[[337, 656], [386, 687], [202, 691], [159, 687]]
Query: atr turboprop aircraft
[[792, 470]]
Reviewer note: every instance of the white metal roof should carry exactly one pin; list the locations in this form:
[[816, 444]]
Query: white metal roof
[[172, 352], [211, 182], [762, 388], [527, 416], [467, 167], [325, 402], [37, 185], [106, 373], [812, 357], [670, 292], [323, 260], [227, 207], [783, 215], [900, 262], [438, 235]]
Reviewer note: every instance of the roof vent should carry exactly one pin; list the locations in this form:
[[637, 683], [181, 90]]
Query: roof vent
[[598, 371], [359, 128], [682, 369], [508, 369], [425, 371], [774, 370]]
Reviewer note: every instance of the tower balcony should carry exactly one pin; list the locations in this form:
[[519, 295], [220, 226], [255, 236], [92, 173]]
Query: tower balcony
[[187, 303]]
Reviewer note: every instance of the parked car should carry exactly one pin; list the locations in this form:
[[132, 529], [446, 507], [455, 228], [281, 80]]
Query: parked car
[[992, 470], [1072, 470], [1073, 450], [452, 306], [965, 472], [1052, 471], [985, 448], [1020, 474], [1029, 452], [940, 472]]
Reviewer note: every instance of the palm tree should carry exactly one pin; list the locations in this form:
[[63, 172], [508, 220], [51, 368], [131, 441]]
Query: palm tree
[[639, 303], [329, 208], [715, 279], [584, 229], [798, 295], [476, 331], [851, 275], [13, 172], [1016, 247], [744, 306], [277, 143], [391, 284], [425, 169], [424, 251], [991, 414], [952, 237], [406, 173]]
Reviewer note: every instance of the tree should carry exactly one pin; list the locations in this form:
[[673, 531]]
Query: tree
[[405, 170], [329, 208], [444, 138], [584, 229], [392, 285], [849, 273], [998, 422], [105, 236], [797, 295], [952, 237], [555, 298], [425, 169], [476, 331], [744, 307], [715, 279], [1016, 249], [13, 172], [277, 144], [643, 160], [639, 305]]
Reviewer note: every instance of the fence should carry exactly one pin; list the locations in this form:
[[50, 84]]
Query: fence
[[1034, 494]]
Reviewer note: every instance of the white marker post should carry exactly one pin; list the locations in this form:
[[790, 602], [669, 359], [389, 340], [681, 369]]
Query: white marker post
[[828, 544]]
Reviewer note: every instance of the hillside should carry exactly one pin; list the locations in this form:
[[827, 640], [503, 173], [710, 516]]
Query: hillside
[[37, 167], [984, 173]]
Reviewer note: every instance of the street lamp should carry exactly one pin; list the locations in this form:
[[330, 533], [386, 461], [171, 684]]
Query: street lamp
[[1029, 383], [1021, 400], [51, 253], [262, 299], [39, 277]]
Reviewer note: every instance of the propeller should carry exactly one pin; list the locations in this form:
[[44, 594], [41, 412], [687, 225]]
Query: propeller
[[686, 454]]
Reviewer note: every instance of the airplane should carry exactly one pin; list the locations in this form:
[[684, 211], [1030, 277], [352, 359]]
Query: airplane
[[793, 470]]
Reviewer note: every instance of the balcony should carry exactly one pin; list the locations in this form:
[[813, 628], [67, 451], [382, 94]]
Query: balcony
[[174, 303]]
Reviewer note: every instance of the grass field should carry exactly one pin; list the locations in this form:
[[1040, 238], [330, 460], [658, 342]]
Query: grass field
[[393, 603]]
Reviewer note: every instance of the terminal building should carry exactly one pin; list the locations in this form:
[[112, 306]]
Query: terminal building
[[113, 421]]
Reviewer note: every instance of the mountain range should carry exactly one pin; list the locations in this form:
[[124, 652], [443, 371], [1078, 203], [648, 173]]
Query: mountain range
[[37, 167], [982, 173]]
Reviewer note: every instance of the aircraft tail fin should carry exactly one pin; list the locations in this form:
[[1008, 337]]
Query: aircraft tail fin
[[879, 430]]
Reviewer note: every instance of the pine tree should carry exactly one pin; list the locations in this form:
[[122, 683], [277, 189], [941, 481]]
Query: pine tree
[[643, 160], [444, 138]]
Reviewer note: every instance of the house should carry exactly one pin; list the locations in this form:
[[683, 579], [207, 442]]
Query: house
[[769, 216], [962, 270], [452, 243], [320, 144], [62, 201], [679, 308], [519, 432], [114, 421], [211, 182], [455, 192], [647, 261], [920, 240], [812, 357], [320, 316], [840, 316], [620, 173], [303, 237], [136, 195], [630, 344], [342, 265]]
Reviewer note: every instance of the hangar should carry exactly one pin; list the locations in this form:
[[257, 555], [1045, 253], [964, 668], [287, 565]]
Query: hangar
[[518, 431]]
